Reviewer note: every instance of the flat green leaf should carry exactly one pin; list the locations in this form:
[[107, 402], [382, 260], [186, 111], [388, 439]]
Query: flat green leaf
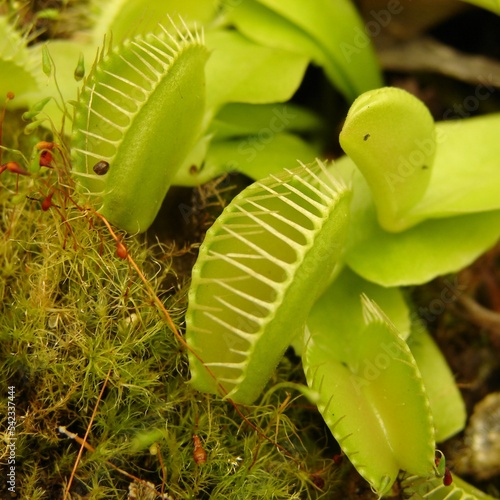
[[370, 392], [419, 254], [250, 156], [240, 120], [447, 405], [253, 139], [239, 70], [330, 33], [342, 301], [259, 270], [466, 172], [258, 158], [417, 169]]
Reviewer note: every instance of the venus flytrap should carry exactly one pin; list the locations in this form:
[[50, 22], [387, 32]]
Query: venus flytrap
[[109, 125], [129, 115], [417, 169], [272, 263], [371, 395], [351, 363], [261, 266], [350, 369], [339, 314], [381, 130], [457, 190]]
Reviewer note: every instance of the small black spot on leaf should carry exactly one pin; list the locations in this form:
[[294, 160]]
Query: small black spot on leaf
[[366, 137], [101, 167]]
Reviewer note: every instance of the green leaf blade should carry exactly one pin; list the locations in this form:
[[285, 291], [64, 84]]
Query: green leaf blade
[[447, 405], [419, 254], [256, 161], [327, 32], [466, 172], [241, 71]]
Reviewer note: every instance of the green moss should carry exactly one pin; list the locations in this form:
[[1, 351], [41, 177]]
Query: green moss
[[70, 312]]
